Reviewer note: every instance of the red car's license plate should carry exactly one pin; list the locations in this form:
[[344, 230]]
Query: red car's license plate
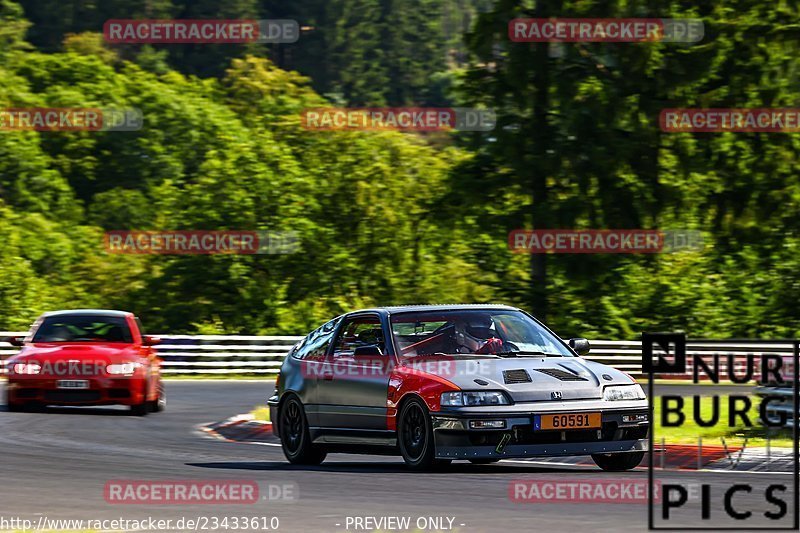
[[72, 384]]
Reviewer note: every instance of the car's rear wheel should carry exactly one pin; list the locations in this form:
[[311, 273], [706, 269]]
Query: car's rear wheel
[[618, 462], [295, 436], [160, 403], [415, 436]]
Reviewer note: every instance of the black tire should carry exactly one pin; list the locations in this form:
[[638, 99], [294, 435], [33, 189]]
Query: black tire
[[415, 437], [483, 461], [618, 462], [295, 437], [15, 407], [160, 403]]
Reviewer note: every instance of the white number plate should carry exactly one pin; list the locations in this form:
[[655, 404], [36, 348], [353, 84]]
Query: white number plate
[[72, 384]]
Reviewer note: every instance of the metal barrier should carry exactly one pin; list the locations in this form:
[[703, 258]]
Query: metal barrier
[[253, 355]]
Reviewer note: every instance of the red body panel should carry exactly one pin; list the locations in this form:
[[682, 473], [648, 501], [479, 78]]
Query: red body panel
[[405, 380]]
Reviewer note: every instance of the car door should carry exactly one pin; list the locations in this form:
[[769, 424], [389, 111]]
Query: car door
[[352, 393]]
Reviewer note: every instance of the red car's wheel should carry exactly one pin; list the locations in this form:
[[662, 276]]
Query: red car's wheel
[[160, 403], [295, 437], [13, 407]]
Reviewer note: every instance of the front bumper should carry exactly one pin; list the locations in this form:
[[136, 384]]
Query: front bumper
[[101, 391], [456, 439]]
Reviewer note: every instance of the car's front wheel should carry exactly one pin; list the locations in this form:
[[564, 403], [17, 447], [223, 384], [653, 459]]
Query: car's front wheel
[[618, 462], [295, 436], [415, 436]]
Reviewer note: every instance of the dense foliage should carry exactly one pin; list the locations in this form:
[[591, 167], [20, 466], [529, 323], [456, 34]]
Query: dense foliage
[[388, 218]]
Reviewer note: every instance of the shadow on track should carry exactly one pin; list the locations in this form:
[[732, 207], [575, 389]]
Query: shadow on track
[[389, 468], [95, 411]]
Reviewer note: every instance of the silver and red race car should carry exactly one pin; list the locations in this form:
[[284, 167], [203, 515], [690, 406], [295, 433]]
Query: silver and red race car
[[442, 383]]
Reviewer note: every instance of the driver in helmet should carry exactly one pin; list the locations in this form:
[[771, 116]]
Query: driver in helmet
[[476, 334]]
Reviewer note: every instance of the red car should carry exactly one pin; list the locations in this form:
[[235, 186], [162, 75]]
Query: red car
[[86, 357]]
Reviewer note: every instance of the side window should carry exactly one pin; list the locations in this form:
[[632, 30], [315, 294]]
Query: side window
[[318, 347], [315, 345], [139, 325], [358, 332]]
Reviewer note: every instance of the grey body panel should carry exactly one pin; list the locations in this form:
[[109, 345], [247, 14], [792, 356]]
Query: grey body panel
[[353, 393]]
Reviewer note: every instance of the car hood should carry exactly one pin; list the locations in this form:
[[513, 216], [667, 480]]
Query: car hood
[[101, 353], [574, 377]]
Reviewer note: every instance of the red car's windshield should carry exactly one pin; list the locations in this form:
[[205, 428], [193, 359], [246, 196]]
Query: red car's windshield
[[83, 328], [473, 331]]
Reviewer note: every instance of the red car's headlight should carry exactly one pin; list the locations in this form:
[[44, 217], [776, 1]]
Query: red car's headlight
[[123, 369], [26, 368]]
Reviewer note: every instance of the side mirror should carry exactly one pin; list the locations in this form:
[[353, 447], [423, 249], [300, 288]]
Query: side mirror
[[15, 341], [148, 340], [580, 345], [371, 350]]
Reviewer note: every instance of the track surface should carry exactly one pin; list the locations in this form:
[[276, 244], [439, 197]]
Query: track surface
[[55, 464]]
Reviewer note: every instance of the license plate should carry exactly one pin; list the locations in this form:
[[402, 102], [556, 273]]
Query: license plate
[[72, 384], [567, 421]]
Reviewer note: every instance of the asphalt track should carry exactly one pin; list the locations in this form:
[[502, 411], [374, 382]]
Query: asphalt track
[[55, 465]]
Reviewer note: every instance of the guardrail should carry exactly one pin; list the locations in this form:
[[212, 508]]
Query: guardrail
[[254, 355]]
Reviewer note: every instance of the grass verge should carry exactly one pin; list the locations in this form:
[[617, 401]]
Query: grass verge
[[261, 413]]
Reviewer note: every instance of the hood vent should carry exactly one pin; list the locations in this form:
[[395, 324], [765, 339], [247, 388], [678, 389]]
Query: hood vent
[[516, 376], [560, 374]]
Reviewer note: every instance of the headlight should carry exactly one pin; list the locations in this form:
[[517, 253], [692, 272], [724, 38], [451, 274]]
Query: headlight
[[27, 368], [123, 368], [614, 393], [473, 398]]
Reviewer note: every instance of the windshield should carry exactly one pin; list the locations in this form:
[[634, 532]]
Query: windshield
[[473, 331], [83, 328]]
